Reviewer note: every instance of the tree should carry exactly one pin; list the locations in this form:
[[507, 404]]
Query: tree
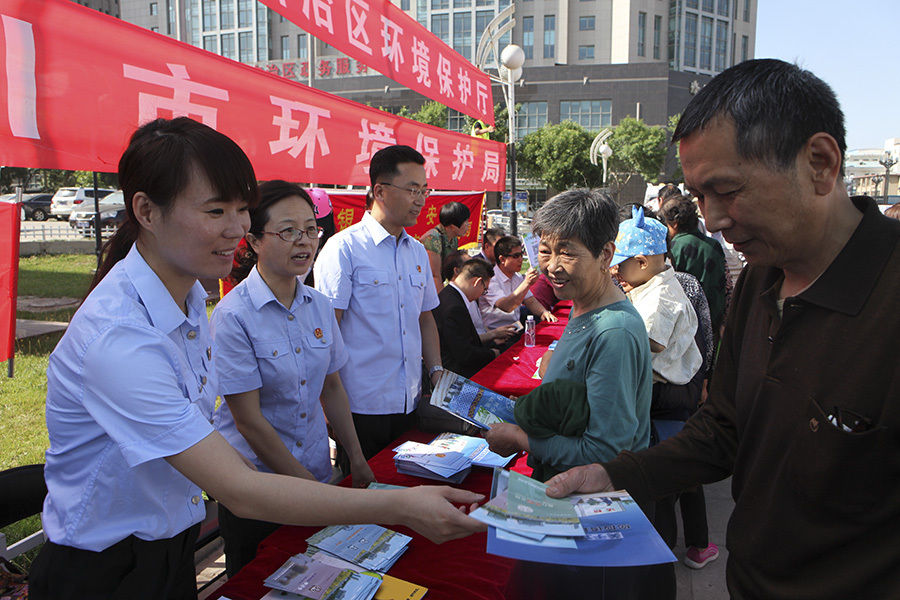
[[638, 148], [558, 155], [673, 168], [432, 113]]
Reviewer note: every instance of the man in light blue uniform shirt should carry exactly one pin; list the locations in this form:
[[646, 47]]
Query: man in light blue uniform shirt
[[379, 281], [107, 477]]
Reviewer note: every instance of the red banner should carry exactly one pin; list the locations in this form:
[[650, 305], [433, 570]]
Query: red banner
[[9, 271], [378, 34], [349, 207], [71, 101]]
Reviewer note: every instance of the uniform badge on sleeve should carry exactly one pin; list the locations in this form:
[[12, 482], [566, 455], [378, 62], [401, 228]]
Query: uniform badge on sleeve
[[318, 333], [419, 268]]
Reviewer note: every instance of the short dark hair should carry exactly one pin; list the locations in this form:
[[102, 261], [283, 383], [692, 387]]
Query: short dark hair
[[476, 267], [454, 213], [626, 211], [775, 107], [680, 212], [589, 216], [492, 234], [505, 245], [384, 162], [451, 262]]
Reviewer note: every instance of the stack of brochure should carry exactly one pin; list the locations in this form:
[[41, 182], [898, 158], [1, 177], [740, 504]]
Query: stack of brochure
[[449, 457], [597, 530], [371, 547], [471, 402], [431, 462]]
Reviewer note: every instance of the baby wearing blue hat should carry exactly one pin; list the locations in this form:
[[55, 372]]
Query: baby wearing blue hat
[[640, 266]]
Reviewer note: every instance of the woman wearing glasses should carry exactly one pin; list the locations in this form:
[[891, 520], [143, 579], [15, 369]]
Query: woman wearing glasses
[[278, 349]]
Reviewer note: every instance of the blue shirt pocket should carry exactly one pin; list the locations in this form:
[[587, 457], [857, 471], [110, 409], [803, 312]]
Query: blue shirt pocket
[[277, 369], [371, 288]]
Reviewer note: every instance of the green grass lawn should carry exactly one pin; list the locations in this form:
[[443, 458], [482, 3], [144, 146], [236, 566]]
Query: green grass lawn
[[63, 276]]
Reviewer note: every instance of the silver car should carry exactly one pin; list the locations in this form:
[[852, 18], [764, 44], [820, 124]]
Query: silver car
[[67, 199]]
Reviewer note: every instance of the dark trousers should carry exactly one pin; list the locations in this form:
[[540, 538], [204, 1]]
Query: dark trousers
[[132, 569], [241, 537], [693, 516], [375, 432]]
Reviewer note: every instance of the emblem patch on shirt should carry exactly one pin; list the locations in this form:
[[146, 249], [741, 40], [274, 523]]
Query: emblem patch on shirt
[[208, 353], [318, 333], [419, 268]]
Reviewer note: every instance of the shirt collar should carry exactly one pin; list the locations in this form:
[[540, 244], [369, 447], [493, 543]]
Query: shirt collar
[[377, 230], [261, 294], [849, 280], [461, 293], [498, 272], [164, 312]]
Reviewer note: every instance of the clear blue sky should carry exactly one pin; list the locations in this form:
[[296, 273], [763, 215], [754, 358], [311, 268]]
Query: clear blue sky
[[853, 45]]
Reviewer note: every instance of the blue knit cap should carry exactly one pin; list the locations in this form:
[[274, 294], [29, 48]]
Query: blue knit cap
[[638, 235]]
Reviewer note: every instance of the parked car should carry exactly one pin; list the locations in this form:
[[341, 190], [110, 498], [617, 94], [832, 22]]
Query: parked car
[[67, 199], [112, 213], [37, 206]]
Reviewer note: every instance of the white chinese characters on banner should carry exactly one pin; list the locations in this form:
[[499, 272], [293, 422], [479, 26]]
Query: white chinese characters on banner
[[21, 84], [374, 137], [465, 86], [391, 33], [321, 13], [307, 140], [421, 62], [428, 147], [491, 166], [357, 12], [463, 158], [445, 76], [180, 103], [482, 93]]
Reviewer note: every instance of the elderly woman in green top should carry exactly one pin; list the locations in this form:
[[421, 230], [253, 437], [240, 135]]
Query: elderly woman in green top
[[604, 345], [442, 240]]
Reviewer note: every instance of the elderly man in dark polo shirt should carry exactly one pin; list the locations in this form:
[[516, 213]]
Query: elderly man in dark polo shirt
[[804, 409]]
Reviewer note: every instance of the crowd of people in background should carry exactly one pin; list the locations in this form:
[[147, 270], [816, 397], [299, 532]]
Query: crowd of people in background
[[681, 364]]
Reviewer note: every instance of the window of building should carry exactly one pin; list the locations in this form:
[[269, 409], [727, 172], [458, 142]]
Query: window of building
[[723, 7], [228, 46], [642, 34], [170, 17], [462, 34], [422, 12], [709, 5], [586, 24], [301, 45], [154, 9], [226, 14], [590, 114], [531, 116], [456, 121], [285, 46], [745, 47], [484, 2], [263, 41], [549, 36], [245, 13], [585, 53], [691, 3], [657, 34], [690, 40], [439, 4], [245, 46], [211, 43], [528, 36], [440, 26], [209, 15], [747, 11], [721, 44], [404, 4], [482, 18], [462, 3], [706, 35]]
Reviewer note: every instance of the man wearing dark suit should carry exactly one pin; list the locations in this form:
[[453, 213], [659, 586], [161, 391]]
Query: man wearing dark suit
[[462, 349]]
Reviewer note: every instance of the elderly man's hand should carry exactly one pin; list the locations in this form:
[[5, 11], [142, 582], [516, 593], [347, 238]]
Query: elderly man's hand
[[585, 479], [506, 439]]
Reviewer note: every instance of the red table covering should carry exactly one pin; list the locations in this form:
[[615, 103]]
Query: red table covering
[[511, 373], [450, 571]]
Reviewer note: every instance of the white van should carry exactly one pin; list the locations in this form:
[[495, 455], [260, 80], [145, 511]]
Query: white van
[[67, 199]]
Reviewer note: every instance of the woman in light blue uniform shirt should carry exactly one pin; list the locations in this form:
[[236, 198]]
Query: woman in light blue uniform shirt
[[131, 387], [277, 350]]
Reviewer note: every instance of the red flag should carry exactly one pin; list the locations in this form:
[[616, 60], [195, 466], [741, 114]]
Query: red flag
[[72, 100], [379, 34], [9, 272]]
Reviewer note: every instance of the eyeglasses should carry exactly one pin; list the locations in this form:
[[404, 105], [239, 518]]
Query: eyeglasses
[[516, 255], [292, 234], [423, 192]]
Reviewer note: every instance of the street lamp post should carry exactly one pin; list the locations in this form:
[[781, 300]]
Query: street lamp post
[[887, 161]]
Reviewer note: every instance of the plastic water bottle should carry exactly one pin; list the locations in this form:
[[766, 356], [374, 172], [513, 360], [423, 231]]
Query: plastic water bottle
[[529, 331]]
